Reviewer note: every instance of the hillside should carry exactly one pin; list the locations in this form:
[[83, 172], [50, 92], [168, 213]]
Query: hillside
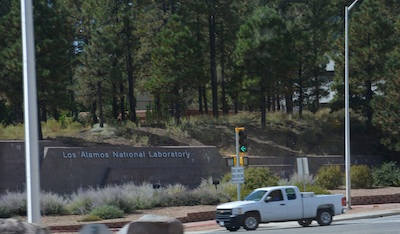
[[283, 137]]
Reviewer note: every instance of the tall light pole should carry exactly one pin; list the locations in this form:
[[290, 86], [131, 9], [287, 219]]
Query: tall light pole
[[30, 114], [346, 105]]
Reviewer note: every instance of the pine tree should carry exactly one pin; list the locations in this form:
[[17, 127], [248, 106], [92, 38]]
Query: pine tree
[[371, 39], [175, 68], [261, 51]]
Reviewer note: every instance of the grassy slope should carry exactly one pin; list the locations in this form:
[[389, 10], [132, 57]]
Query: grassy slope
[[319, 134]]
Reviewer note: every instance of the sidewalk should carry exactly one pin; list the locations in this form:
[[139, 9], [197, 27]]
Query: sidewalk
[[370, 211], [357, 212]]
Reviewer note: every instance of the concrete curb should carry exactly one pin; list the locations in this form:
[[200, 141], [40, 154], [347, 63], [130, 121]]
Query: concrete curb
[[368, 215]]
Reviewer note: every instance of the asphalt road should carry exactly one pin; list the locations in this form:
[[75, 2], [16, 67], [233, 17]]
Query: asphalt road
[[384, 225]]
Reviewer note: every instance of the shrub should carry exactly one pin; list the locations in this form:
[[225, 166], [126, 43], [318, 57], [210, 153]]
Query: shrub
[[52, 204], [138, 197], [79, 204], [388, 174], [210, 194], [316, 189], [183, 198], [254, 177], [228, 188], [296, 179], [210, 197], [12, 204], [309, 182], [171, 195], [108, 212], [330, 177], [84, 200], [361, 176]]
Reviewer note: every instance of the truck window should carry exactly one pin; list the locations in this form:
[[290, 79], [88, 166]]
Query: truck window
[[255, 195], [276, 195], [291, 195]]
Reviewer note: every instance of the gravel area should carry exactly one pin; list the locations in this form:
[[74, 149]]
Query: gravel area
[[176, 212]]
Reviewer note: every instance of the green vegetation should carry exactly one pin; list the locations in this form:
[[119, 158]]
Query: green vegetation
[[107, 212], [388, 174], [255, 177], [361, 176], [116, 201], [330, 177], [305, 184], [99, 57]]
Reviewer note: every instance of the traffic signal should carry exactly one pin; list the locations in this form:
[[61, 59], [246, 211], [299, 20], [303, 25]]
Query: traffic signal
[[231, 161], [244, 161], [242, 141]]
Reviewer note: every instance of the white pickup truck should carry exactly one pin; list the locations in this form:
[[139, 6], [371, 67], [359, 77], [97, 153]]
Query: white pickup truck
[[277, 204]]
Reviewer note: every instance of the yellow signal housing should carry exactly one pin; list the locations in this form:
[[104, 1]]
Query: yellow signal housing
[[237, 129], [231, 161], [244, 161]]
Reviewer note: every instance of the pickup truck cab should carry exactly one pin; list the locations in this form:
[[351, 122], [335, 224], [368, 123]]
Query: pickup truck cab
[[277, 204]]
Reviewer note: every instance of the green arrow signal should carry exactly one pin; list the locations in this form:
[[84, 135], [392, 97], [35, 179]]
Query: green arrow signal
[[242, 148]]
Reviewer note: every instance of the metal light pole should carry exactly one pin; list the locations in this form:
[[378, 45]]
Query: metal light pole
[[347, 115], [30, 114]]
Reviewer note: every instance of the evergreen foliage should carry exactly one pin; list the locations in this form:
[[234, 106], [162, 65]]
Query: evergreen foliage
[[387, 174], [99, 57]]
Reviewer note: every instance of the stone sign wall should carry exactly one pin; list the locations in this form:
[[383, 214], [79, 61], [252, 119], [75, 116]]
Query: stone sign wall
[[66, 169]]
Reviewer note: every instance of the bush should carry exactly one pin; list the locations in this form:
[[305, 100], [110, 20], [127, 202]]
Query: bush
[[388, 174], [307, 180], [107, 212], [210, 194], [79, 204], [361, 176], [52, 204], [330, 177], [254, 177], [12, 204], [316, 189], [183, 198], [141, 197], [296, 179]]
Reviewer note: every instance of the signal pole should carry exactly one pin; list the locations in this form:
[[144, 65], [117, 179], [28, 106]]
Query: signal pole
[[237, 159], [241, 148]]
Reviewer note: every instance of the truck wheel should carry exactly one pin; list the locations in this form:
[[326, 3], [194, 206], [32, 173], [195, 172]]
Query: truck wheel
[[305, 222], [232, 228], [251, 221], [324, 217]]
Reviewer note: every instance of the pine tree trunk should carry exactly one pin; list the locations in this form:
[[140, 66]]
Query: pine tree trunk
[[100, 101], [213, 66]]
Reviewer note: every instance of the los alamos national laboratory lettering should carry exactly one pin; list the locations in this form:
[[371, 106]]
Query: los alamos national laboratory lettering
[[123, 154]]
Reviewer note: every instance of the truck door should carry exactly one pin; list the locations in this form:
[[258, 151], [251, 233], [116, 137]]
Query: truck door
[[274, 207], [294, 205]]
